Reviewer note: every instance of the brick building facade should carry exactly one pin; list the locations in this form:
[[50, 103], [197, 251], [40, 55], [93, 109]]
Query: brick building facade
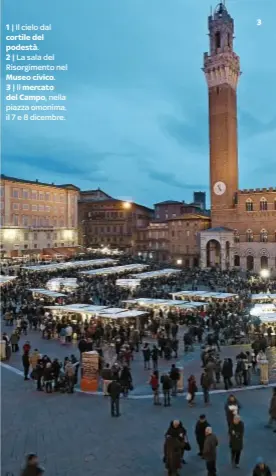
[[243, 221], [111, 222], [36, 216]]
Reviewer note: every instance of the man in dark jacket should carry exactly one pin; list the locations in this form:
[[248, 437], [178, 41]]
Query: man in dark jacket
[[26, 365], [146, 355], [236, 434], [166, 386], [174, 376], [32, 468], [261, 469], [114, 389], [200, 428], [210, 451], [205, 384], [272, 410]]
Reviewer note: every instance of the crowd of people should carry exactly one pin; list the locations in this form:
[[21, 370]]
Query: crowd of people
[[163, 335]]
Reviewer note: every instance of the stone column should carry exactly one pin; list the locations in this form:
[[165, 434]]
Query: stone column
[[203, 256]]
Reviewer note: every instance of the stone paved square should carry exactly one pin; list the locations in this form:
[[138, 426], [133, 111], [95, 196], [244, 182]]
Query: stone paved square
[[75, 434]]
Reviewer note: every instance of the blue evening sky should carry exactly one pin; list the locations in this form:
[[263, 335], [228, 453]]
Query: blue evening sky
[[137, 100]]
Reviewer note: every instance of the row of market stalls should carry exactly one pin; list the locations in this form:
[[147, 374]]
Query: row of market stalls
[[70, 265], [204, 296], [62, 284], [263, 298], [81, 312], [114, 270], [6, 279]]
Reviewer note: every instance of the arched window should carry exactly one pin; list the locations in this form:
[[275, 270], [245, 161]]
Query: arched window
[[263, 204], [249, 205], [236, 260], [264, 262], [263, 236], [236, 236], [249, 236], [217, 39], [250, 263]]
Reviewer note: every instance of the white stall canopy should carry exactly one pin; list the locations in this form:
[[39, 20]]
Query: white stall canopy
[[204, 295], [157, 274], [115, 269], [6, 279], [45, 292], [56, 283], [77, 308], [128, 283], [263, 297], [121, 313], [147, 302], [268, 318], [69, 264], [263, 309]]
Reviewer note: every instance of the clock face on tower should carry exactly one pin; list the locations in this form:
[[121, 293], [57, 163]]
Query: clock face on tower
[[219, 188]]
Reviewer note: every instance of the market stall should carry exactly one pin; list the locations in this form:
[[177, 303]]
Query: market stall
[[128, 283], [114, 270], [162, 303], [204, 296], [6, 279], [157, 274], [45, 293], [260, 310], [62, 284], [263, 298], [69, 265]]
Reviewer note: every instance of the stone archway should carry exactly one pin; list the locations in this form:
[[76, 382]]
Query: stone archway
[[213, 254]]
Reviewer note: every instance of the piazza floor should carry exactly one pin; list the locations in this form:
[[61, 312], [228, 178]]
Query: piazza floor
[[75, 434]]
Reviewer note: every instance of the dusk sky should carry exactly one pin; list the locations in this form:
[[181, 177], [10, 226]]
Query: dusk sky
[[137, 122]]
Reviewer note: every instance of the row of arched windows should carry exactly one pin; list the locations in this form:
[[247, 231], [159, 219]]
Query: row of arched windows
[[263, 204], [250, 262], [250, 237]]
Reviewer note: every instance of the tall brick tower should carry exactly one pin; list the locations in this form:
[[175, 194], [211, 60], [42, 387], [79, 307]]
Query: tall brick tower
[[222, 71]]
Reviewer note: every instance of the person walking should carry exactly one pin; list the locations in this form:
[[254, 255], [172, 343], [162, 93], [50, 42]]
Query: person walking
[[172, 455], [272, 411], [177, 430], [26, 365], [166, 387], [114, 389], [174, 376], [261, 469], [232, 408], [154, 383], [146, 355], [154, 357], [227, 373], [32, 467], [205, 384], [210, 451], [200, 435], [126, 380], [236, 434], [107, 378], [192, 389]]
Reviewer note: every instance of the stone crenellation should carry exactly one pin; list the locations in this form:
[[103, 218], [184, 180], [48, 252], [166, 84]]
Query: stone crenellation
[[258, 190]]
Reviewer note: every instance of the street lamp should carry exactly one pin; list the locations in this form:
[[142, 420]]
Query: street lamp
[[179, 262], [127, 205], [264, 273]]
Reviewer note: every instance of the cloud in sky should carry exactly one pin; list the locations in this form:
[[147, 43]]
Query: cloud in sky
[[137, 99]]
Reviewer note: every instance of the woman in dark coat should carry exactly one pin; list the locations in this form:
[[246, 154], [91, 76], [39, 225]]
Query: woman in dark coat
[[125, 380], [236, 434], [177, 430], [173, 448]]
